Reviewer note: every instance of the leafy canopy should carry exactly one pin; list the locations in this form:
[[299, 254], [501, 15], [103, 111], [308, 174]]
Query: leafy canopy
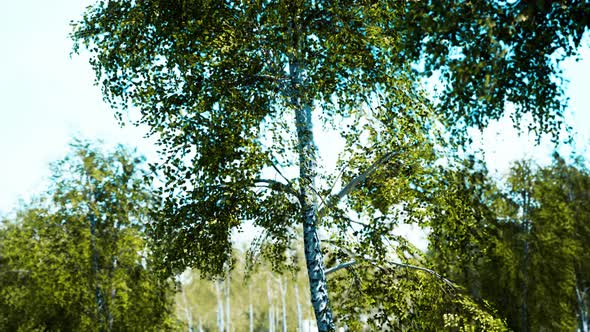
[[211, 79]]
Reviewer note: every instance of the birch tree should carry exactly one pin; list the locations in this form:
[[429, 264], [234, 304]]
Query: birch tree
[[236, 92], [78, 255]]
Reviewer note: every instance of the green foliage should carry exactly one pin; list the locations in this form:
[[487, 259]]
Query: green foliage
[[488, 53], [397, 297], [522, 250], [76, 259]]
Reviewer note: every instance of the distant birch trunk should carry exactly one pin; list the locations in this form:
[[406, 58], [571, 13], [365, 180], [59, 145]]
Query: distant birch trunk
[[227, 304], [525, 268], [276, 312], [93, 246], [283, 290], [250, 309], [251, 316], [220, 313], [583, 310], [110, 318], [271, 327], [187, 311], [299, 316]]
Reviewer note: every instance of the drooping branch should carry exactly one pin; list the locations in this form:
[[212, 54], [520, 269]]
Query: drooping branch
[[398, 264], [262, 183], [350, 186], [340, 267], [360, 258], [420, 268]]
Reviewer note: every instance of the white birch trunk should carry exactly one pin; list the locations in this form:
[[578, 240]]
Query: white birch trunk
[[250, 309], [187, 311], [227, 304], [271, 327], [583, 310], [251, 317], [307, 151], [299, 316], [276, 312], [220, 314], [283, 290]]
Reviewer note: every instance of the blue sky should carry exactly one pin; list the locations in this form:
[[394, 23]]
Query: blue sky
[[46, 98]]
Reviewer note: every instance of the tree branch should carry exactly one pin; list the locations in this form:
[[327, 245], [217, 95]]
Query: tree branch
[[339, 267], [355, 182], [376, 264], [373, 262], [419, 268], [277, 185], [276, 168]]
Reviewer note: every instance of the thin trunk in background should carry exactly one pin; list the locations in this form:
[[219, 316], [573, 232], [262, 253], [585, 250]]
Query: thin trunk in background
[[271, 327], [283, 290], [220, 314], [275, 309], [227, 303], [525, 268], [299, 316], [187, 311], [250, 309], [582, 310], [93, 224]]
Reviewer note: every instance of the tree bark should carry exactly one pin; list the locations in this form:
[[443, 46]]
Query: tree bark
[[307, 152], [525, 267], [93, 245], [283, 290], [250, 309], [187, 311], [307, 173]]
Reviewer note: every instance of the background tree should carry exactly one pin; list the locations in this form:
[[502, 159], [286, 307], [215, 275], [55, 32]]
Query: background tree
[[561, 222], [78, 254], [518, 249], [233, 90]]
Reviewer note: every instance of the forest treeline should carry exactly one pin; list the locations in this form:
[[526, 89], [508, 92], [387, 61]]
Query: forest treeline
[[503, 254]]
